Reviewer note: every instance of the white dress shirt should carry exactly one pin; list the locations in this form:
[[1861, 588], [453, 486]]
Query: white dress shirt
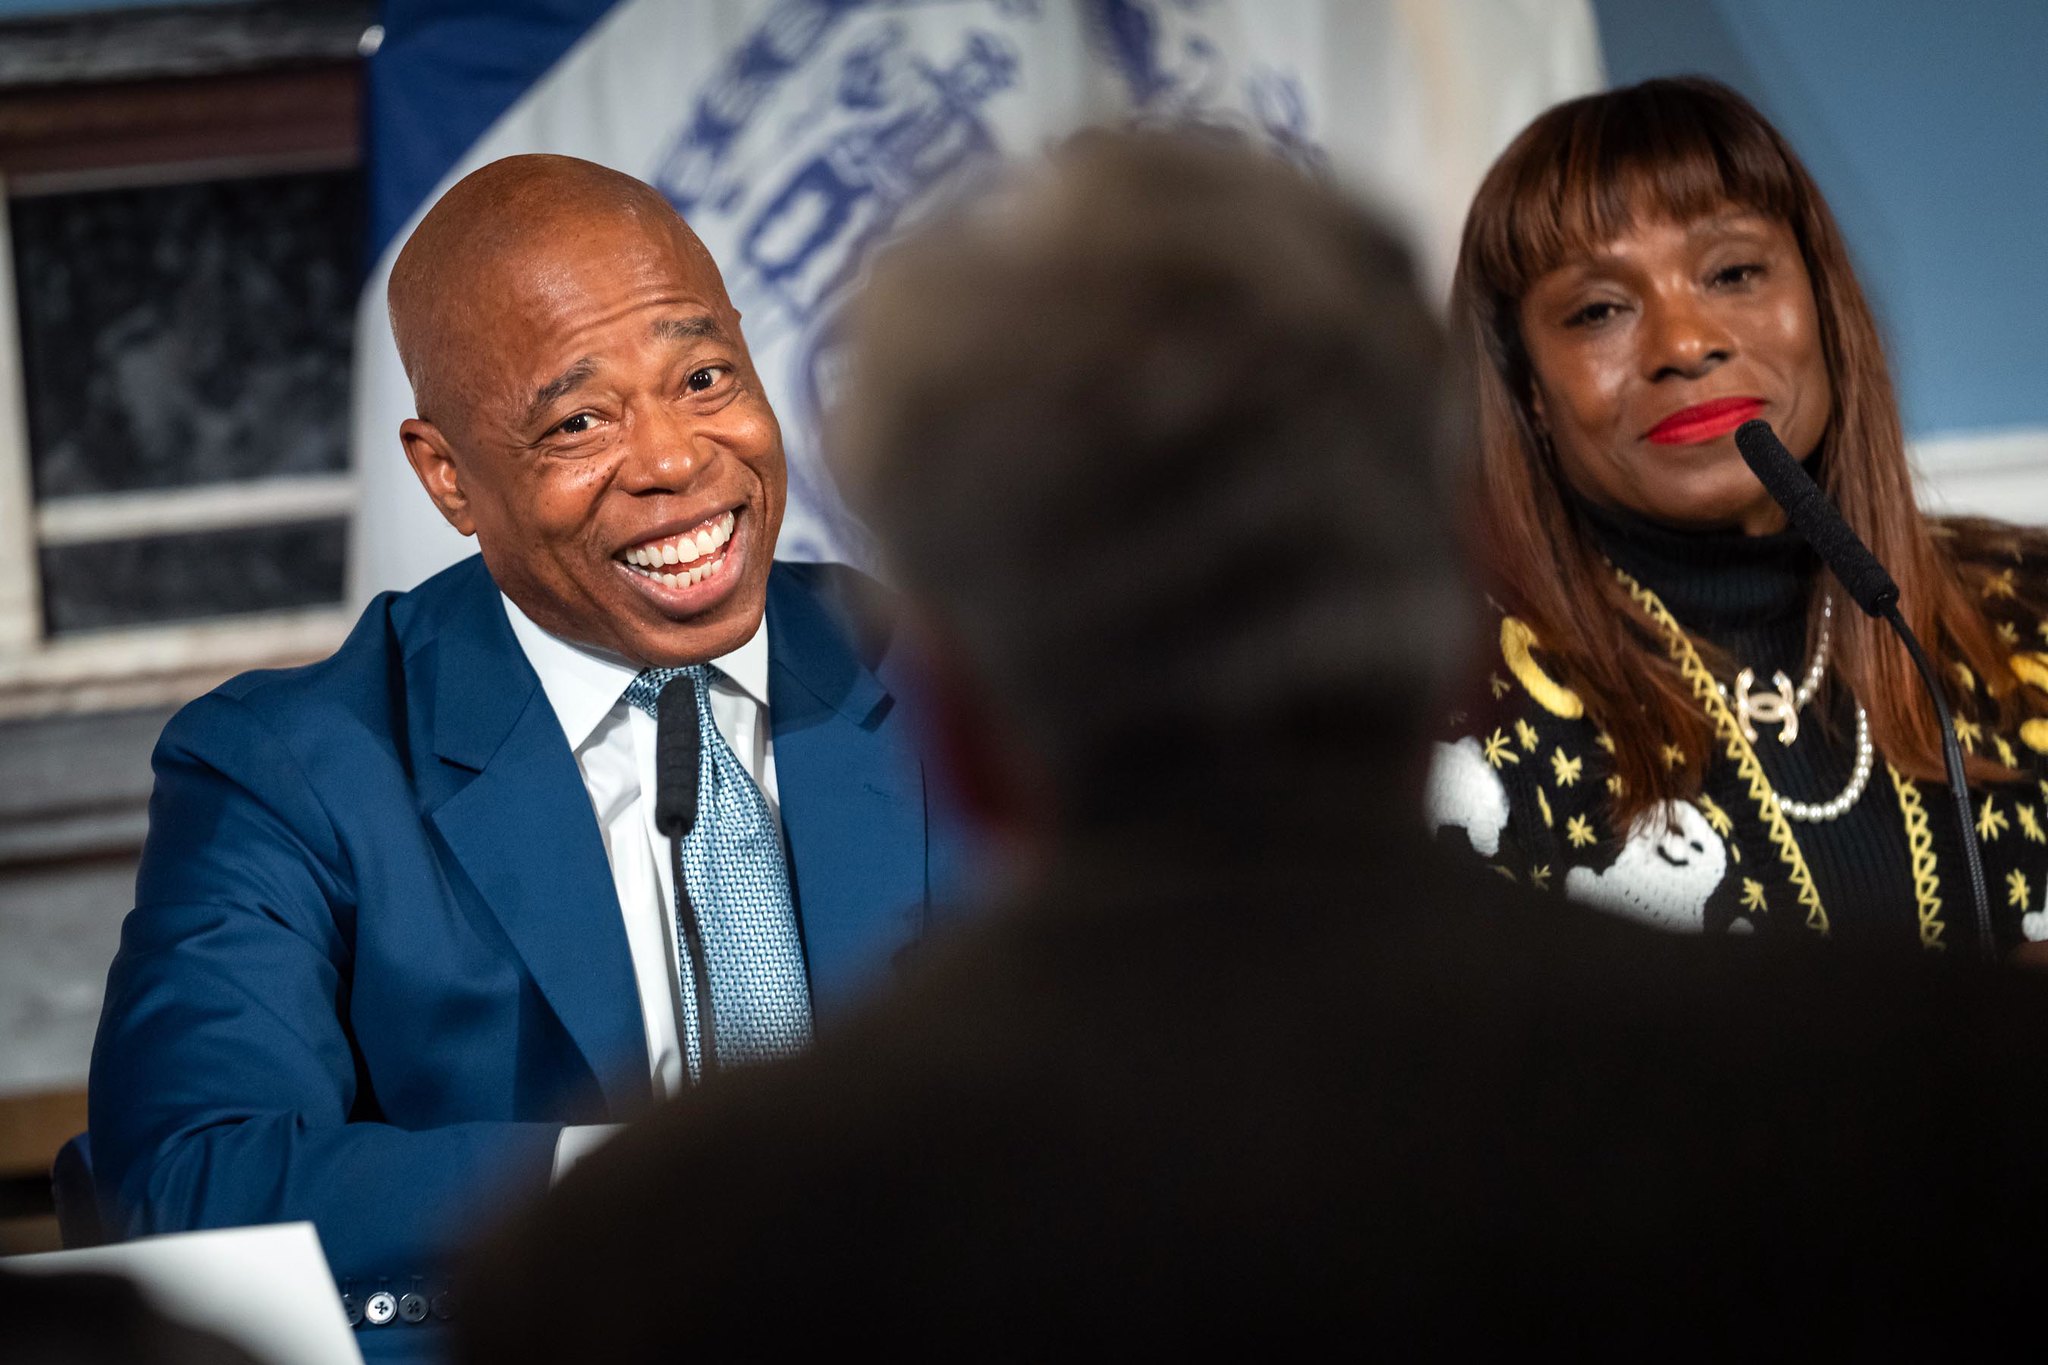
[[614, 748]]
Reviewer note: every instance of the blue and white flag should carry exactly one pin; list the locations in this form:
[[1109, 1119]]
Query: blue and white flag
[[794, 135]]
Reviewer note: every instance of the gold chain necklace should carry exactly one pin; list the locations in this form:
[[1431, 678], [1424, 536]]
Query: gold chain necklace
[[1737, 748]]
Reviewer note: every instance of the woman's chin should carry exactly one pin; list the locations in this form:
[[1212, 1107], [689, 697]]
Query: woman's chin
[[1735, 504]]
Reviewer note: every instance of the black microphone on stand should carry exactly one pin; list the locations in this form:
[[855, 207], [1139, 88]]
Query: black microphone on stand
[[1866, 580], [675, 813]]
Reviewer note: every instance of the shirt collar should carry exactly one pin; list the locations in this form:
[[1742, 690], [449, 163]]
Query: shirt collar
[[747, 666], [584, 684]]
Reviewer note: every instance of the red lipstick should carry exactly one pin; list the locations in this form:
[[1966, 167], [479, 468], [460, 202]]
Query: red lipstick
[[1704, 421]]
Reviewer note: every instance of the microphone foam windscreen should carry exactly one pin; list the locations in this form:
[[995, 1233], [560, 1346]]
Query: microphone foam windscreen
[[1815, 518], [675, 758]]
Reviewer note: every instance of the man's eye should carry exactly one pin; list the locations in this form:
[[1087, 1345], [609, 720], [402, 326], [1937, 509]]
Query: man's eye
[[576, 425], [705, 378]]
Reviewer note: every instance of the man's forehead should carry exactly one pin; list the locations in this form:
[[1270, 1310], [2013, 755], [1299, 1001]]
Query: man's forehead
[[596, 336], [559, 293], [607, 255]]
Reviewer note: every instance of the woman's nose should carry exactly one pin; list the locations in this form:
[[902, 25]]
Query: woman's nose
[[1683, 338]]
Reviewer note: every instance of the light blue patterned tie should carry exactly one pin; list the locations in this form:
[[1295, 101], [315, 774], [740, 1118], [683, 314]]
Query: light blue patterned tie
[[732, 868]]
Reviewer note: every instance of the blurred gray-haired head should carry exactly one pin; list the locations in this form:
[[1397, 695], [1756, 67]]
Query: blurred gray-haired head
[[1152, 432]]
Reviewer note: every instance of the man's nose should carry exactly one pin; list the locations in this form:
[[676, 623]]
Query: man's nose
[[667, 457], [1682, 337]]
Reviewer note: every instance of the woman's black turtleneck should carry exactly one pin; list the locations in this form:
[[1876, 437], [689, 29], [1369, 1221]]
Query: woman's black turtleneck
[[1748, 597]]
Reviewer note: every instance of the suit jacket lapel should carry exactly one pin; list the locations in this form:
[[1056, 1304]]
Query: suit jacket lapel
[[523, 831], [852, 795]]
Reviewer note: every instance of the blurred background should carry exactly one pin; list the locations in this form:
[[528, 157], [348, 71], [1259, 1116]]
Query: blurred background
[[198, 396]]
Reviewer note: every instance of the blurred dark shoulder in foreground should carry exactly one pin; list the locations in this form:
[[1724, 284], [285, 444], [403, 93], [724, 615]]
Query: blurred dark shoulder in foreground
[[1244, 1105]]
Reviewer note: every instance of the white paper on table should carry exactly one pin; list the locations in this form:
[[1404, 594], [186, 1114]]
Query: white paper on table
[[266, 1289]]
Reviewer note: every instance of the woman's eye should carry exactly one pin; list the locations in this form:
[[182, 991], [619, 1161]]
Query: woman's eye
[[1739, 274], [576, 425], [1592, 315], [705, 378]]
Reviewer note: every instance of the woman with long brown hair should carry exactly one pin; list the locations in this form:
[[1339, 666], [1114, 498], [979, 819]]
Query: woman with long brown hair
[[1686, 720]]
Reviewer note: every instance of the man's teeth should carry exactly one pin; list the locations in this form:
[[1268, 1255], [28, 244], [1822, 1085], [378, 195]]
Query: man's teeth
[[687, 548]]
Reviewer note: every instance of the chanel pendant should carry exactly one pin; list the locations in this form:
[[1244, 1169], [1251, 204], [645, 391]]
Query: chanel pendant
[[1772, 708]]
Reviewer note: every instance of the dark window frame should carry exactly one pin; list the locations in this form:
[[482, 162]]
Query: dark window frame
[[152, 98]]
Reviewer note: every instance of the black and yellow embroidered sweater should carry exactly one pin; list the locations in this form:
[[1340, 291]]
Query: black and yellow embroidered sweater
[[1524, 782]]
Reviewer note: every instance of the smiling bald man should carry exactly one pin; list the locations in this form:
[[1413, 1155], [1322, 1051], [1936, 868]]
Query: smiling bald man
[[415, 923]]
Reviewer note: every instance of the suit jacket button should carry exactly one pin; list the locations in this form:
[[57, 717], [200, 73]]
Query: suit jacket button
[[444, 1305], [380, 1308], [352, 1309], [412, 1307]]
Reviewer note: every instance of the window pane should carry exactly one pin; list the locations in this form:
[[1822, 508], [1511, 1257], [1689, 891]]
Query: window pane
[[187, 334], [190, 577]]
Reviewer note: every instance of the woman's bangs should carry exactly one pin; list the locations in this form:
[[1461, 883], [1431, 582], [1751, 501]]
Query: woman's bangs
[[1591, 170]]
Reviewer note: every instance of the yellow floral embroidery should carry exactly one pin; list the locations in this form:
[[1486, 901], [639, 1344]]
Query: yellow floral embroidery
[[1999, 584], [1539, 877], [1543, 805], [2030, 668], [1498, 685], [2034, 734], [1503, 871], [1580, 831], [1969, 732], [1674, 757], [1605, 741], [2016, 889], [1753, 895], [2030, 824], [1516, 640], [1964, 675], [1991, 821], [2005, 753], [1526, 732], [1926, 874], [1716, 817], [2009, 632], [1567, 769], [1498, 750], [1615, 784]]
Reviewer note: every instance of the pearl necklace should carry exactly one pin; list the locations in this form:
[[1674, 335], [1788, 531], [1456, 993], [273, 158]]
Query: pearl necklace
[[1775, 708], [1819, 812]]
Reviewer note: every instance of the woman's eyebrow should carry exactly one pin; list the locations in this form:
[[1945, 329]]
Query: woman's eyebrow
[[1577, 268], [1736, 219]]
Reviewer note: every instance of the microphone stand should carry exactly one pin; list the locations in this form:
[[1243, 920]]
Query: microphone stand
[[1820, 524]]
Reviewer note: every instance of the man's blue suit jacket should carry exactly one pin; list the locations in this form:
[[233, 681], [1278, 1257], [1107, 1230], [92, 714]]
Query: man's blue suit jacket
[[376, 960]]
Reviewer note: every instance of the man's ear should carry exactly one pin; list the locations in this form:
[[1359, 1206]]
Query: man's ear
[[433, 460]]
